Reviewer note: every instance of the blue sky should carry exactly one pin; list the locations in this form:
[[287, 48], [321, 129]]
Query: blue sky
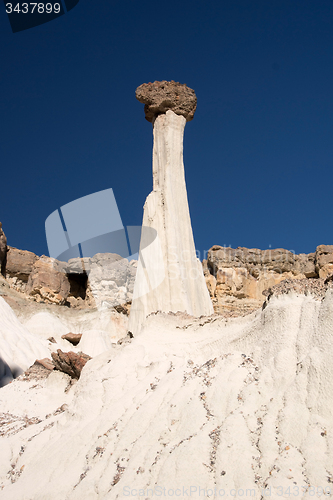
[[258, 153]]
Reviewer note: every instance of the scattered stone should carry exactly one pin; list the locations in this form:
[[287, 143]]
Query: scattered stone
[[70, 362], [159, 97], [123, 308], [328, 279], [52, 340], [315, 287], [73, 338], [126, 340], [40, 370]]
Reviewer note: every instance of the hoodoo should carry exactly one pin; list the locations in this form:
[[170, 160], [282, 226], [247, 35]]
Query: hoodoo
[[169, 275]]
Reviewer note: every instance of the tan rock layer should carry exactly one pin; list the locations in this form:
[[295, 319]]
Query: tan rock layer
[[237, 278]]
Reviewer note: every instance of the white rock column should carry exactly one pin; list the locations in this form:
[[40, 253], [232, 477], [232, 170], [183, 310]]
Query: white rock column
[[169, 275]]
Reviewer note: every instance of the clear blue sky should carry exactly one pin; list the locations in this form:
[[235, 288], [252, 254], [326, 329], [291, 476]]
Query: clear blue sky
[[258, 154]]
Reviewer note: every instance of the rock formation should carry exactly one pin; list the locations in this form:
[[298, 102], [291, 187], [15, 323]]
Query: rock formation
[[324, 260], [48, 283], [73, 338], [159, 97], [70, 362], [19, 266], [237, 278], [169, 275], [3, 251]]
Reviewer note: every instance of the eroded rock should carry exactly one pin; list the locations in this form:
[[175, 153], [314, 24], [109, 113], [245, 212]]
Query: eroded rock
[[19, 266], [47, 283], [70, 362], [73, 338], [159, 97]]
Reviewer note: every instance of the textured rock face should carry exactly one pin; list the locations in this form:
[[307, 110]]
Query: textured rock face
[[20, 263], [3, 251], [257, 261], [169, 276], [70, 362], [324, 260], [111, 280], [158, 97], [47, 283], [237, 278]]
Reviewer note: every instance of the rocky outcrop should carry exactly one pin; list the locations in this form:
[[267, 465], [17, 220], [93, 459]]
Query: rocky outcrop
[[111, 280], [169, 275], [46, 283], [158, 97], [3, 251], [257, 262], [104, 279], [237, 278], [19, 266], [70, 362], [324, 260]]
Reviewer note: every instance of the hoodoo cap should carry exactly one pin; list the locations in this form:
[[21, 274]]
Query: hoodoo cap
[[159, 97]]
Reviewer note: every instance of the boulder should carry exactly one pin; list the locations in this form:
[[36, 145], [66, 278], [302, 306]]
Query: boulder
[[324, 260], [20, 263], [70, 362], [73, 338], [159, 97], [47, 283]]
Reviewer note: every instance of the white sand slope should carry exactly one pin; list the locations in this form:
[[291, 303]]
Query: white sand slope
[[99, 329], [234, 405], [18, 347]]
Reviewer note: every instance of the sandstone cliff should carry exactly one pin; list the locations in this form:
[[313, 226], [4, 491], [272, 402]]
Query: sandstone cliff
[[237, 278]]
